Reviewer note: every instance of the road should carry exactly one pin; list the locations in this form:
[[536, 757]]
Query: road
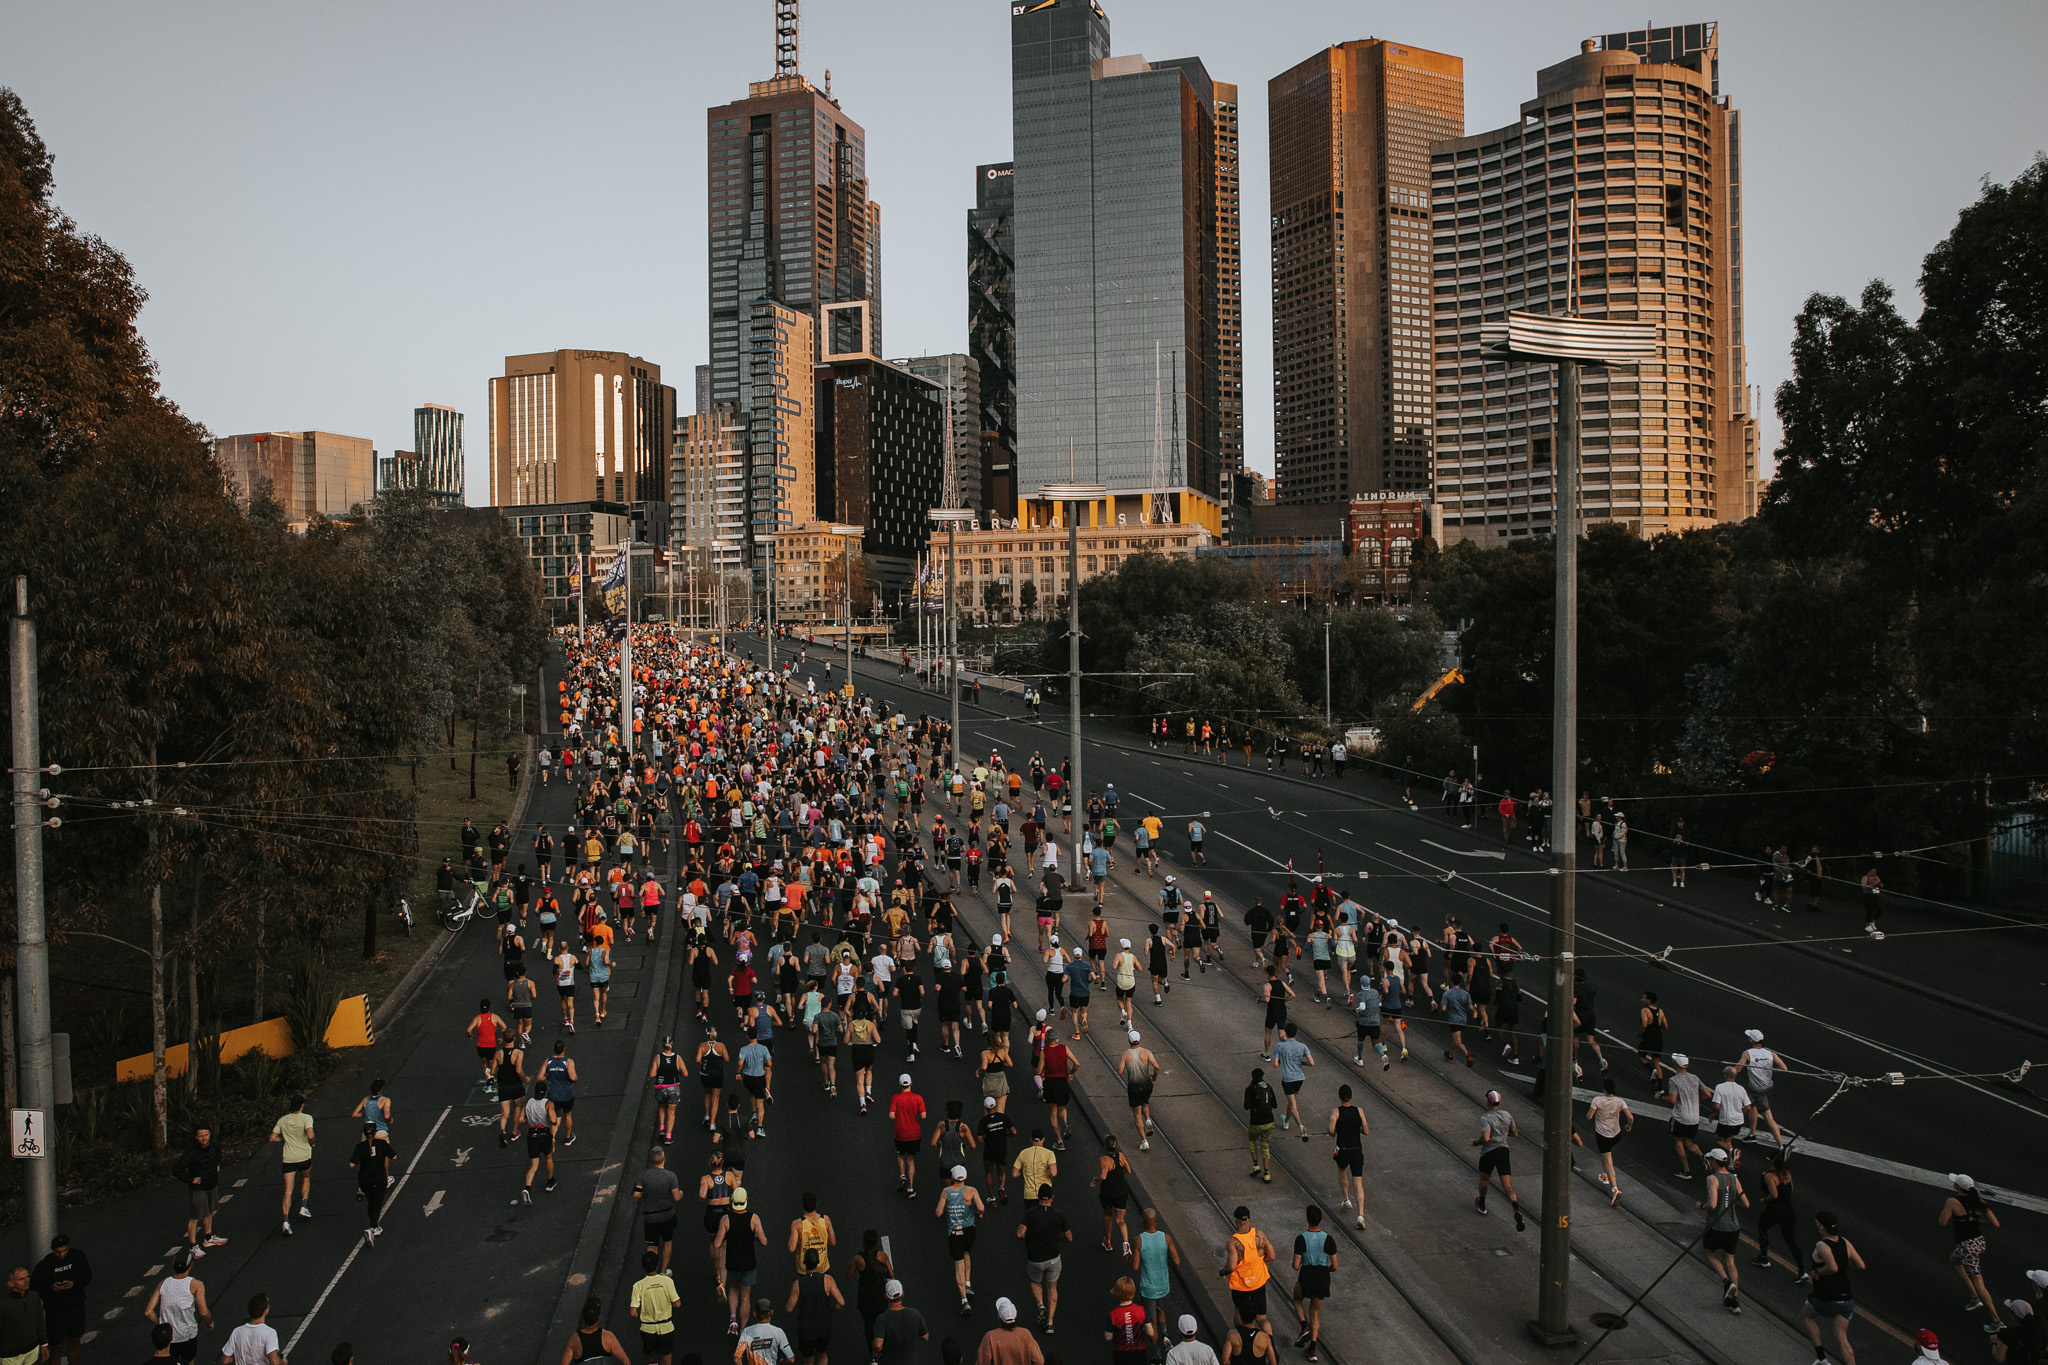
[[460, 1257], [1823, 1015]]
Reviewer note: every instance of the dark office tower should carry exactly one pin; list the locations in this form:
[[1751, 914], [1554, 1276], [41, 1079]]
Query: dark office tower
[[1229, 294], [1117, 292], [1616, 194], [703, 389], [992, 333], [881, 443], [793, 232], [1349, 132]]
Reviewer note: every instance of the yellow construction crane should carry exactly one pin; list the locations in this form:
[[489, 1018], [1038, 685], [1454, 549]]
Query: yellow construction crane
[[1454, 676]]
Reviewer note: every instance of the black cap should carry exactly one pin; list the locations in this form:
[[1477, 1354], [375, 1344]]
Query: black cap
[[59, 1242]]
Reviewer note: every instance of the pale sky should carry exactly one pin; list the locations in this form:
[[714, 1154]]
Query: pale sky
[[343, 211]]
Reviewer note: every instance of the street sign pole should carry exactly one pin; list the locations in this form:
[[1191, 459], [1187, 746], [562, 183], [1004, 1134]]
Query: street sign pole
[[38, 1082]]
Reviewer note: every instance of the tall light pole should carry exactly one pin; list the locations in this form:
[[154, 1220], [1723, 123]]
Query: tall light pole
[[768, 599], [1328, 718], [1071, 497], [38, 1079], [847, 535], [952, 518], [1566, 342]]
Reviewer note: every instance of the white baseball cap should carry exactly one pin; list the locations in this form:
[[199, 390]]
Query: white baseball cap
[[1041, 1016], [1755, 1035], [1681, 1059], [995, 940], [1718, 1154], [1005, 1311], [959, 1172], [893, 1289], [1123, 943], [904, 1079], [989, 1102], [1188, 1325], [1134, 1035], [2039, 1277], [1962, 1182]]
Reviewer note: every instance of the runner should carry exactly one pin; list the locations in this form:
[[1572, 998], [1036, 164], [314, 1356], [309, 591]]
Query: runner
[[1275, 994], [1611, 1118], [1131, 1333], [657, 1191], [1259, 1106], [1247, 1259], [1291, 1055], [1157, 964], [179, 1302], [1044, 1233], [741, 1237], [560, 1074], [714, 1191], [653, 1306], [1315, 1262], [812, 1236], [593, 1340], [1139, 1070], [995, 1133], [294, 1132], [1349, 1128], [541, 1125], [371, 1161], [1113, 1185], [1684, 1090], [1056, 1068], [1456, 1002], [1723, 1203], [813, 1297], [565, 984], [907, 1114], [488, 1032], [1964, 1213], [961, 1208], [1833, 1297]]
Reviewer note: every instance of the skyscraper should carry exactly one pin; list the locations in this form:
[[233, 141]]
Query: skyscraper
[[1229, 293], [992, 332], [790, 215], [775, 410], [1118, 299], [959, 378], [1616, 194], [881, 456], [580, 426], [1350, 131], [437, 439]]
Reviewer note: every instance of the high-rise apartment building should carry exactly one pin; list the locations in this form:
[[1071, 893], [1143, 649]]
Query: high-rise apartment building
[[791, 219], [437, 441], [307, 473], [776, 411], [580, 426], [1617, 194], [992, 331], [703, 389], [959, 380], [707, 490], [1229, 296], [1350, 131], [1118, 295]]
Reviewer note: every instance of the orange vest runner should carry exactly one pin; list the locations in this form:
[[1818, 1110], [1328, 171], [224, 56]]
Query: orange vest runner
[[1251, 1272]]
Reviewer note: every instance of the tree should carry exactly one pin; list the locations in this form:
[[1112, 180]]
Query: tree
[[1027, 596], [994, 597]]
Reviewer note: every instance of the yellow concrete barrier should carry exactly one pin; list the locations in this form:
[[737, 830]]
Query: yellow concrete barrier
[[350, 1027]]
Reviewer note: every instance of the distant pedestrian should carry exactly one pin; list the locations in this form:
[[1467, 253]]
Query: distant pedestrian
[[59, 1280], [199, 1168], [371, 1161]]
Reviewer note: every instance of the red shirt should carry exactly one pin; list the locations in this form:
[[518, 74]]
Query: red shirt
[[1057, 1060], [1127, 1328], [908, 1112]]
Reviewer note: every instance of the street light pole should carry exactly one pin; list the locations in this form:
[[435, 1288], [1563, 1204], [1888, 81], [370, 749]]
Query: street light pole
[[626, 657], [1567, 342], [38, 1078], [847, 535], [1072, 496], [1328, 717], [952, 518]]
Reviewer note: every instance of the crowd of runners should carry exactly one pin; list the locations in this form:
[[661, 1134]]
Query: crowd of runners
[[807, 848]]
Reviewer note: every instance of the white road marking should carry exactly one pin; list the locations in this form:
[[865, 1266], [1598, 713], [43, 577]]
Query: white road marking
[[154, 1270], [243, 1181], [360, 1243], [1463, 852], [434, 1204], [110, 1315], [134, 1291], [88, 1337], [1342, 830]]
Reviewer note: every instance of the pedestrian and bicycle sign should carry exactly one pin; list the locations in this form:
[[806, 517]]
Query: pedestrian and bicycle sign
[[30, 1130]]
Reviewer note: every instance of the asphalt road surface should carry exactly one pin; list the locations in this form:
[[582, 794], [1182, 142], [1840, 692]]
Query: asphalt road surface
[[1822, 1016]]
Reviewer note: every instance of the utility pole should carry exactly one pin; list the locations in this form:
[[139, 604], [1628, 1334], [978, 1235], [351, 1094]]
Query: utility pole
[[1328, 716], [38, 1081], [952, 518], [847, 535]]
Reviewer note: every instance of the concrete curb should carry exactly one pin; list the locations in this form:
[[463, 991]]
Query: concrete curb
[[610, 1216]]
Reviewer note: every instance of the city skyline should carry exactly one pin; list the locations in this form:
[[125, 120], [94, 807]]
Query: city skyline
[[194, 193]]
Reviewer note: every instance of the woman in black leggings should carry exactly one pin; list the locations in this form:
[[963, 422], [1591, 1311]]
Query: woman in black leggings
[[1776, 1212]]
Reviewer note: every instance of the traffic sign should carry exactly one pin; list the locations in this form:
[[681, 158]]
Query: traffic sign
[[30, 1130]]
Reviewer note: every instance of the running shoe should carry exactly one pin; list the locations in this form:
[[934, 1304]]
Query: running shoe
[[287, 1227], [216, 1242], [1479, 1206], [370, 1236]]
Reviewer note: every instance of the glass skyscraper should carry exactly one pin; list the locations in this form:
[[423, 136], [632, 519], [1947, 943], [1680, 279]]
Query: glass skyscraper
[[1119, 279]]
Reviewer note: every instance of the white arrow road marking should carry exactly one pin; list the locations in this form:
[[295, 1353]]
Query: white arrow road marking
[[357, 1249], [462, 1156], [1467, 852], [434, 1204]]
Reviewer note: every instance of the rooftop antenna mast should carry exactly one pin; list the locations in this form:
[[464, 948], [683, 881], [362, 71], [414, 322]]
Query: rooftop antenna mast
[[785, 38]]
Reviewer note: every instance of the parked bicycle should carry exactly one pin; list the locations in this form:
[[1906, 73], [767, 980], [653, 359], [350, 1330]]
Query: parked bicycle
[[458, 909]]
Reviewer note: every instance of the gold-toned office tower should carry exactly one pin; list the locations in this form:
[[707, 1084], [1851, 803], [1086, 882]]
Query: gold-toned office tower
[[1349, 132]]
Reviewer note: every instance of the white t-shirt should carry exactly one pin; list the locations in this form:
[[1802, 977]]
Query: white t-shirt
[[565, 970], [883, 966], [1730, 1100], [177, 1305], [1191, 1353], [250, 1344], [1761, 1063], [1685, 1089]]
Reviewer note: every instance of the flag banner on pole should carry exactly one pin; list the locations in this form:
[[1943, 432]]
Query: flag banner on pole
[[613, 593]]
